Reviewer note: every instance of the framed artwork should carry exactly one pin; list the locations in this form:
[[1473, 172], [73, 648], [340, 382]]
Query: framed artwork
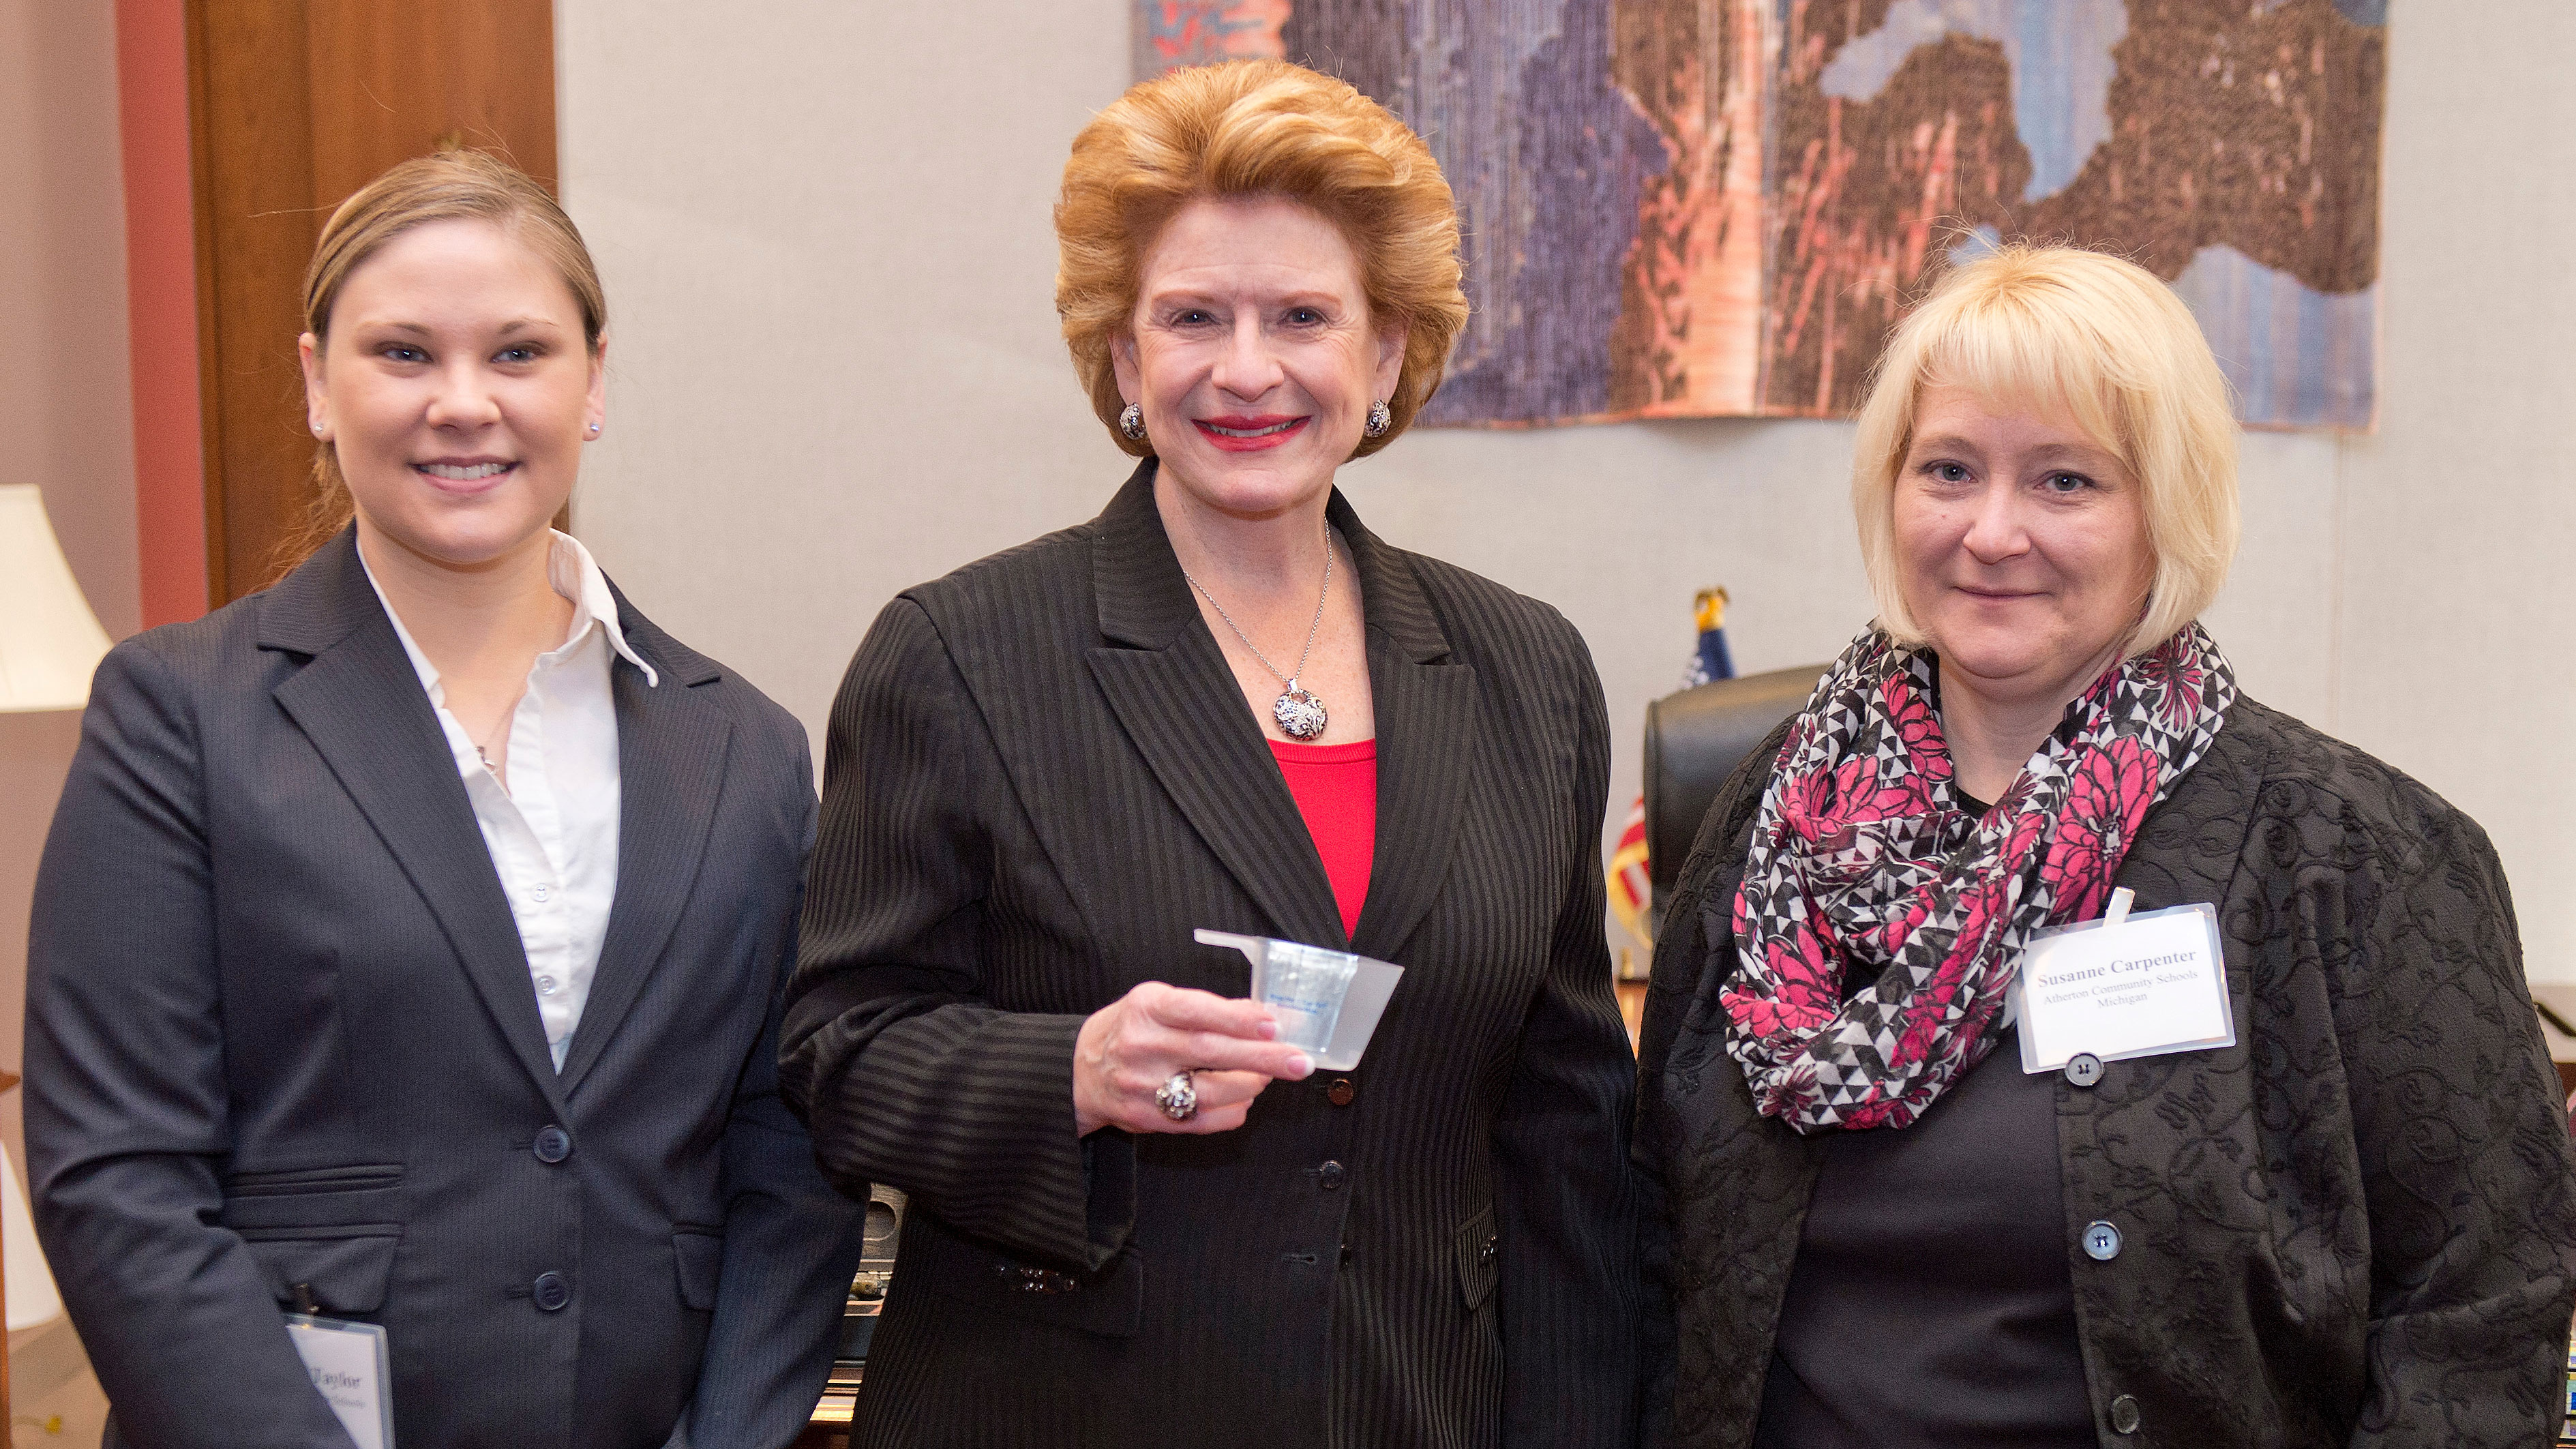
[[1711, 208]]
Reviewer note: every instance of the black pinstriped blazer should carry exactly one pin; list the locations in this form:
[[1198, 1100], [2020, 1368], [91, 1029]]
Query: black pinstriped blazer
[[1041, 777]]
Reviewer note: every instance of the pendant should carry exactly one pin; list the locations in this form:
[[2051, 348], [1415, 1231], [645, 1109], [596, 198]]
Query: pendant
[[1301, 715]]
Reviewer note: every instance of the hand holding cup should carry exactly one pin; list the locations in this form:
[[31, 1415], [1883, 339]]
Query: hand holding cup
[[1130, 1048]]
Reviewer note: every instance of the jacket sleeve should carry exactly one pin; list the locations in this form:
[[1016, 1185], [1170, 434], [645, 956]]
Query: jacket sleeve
[[1567, 1199], [906, 1073], [1684, 960], [791, 1242], [126, 1114], [2461, 1135]]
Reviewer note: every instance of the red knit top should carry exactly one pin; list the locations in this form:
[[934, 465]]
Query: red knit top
[[1336, 790]]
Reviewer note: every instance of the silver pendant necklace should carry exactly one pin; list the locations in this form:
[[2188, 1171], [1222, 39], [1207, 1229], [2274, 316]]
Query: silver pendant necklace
[[1301, 714]]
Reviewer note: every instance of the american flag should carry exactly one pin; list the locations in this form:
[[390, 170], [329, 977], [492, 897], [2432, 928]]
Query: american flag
[[1631, 883]]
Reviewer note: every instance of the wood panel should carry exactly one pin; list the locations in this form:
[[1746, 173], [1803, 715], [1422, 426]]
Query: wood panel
[[295, 104], [153, 130]]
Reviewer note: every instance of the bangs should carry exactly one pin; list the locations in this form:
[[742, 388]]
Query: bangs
[[2040, 360]]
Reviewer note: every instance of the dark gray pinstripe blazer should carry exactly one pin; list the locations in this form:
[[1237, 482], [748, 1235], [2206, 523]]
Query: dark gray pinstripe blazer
[[1041, 777], [280, 1031]]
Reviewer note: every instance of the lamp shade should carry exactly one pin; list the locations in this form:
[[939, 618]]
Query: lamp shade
[[31, 1297], [50, 643]]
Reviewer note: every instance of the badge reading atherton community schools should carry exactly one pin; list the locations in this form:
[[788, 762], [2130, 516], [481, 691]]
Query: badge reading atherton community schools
[[2123, 986]]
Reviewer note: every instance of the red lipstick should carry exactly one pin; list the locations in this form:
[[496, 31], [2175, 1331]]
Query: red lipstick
[[1240, 433]]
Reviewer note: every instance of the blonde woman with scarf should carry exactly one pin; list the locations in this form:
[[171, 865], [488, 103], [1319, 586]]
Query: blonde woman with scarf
[[2350, 1223]]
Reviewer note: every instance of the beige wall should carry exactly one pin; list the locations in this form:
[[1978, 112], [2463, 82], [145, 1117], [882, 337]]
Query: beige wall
[[65, 408], [835, 372], [66, 411]]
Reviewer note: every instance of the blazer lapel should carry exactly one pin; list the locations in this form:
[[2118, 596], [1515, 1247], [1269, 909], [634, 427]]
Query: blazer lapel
[[1168, 683], [360, 703], [1426, 739], [671, 747]]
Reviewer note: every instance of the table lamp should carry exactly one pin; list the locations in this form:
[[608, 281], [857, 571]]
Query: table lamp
[[50, 643]]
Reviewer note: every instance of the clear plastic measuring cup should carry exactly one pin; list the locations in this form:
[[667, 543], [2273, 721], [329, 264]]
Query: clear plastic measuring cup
[[1328, 1002]]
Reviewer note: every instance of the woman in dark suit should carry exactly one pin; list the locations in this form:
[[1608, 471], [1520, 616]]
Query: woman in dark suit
[[408, 945], [1136, 1217], [2336, 1211]]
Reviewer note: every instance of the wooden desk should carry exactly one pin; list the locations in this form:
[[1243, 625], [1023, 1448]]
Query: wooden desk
[[830, 1426]]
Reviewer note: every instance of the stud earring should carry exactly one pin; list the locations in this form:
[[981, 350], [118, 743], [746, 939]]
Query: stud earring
[[1380, 418], [594, 430], [1132, 422]]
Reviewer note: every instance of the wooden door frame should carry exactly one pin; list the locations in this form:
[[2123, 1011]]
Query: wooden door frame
[[293, 105]]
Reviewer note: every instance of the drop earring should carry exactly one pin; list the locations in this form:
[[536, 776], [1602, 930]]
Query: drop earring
[[1132, 422]]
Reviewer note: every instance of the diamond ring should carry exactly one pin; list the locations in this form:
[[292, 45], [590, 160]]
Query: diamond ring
[[1178, 1097]]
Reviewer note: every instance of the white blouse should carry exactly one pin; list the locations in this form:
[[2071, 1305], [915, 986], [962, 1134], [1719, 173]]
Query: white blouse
[[552, 829]]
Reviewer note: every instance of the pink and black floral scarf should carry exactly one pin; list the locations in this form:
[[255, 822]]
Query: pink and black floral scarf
[[1864, 860]]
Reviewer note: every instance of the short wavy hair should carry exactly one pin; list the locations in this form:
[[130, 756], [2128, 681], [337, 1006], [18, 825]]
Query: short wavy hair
[[2059, 328], [1256, 128]]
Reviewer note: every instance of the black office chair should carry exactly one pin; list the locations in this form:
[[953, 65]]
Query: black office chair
[[1694, 740]]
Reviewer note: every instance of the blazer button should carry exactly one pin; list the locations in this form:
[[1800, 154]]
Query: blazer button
[[553, 1144], [552, 1292], [1329, 1176], [2124, 1415], [2101, 1242], [1488, 1249], [1340, 1092], [2083, 1069]]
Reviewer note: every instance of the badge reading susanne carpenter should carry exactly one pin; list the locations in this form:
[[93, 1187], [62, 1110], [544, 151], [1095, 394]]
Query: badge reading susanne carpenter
[[2123, 986], [352, 1371]]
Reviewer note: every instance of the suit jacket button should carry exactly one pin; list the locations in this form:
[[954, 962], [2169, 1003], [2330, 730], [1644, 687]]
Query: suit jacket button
[[1486, 1250], [552, 1292], [1329, 1176], [2124, 1415], [553, 1144], [1340, 1092], [2083, 1069], [2101, 1241]]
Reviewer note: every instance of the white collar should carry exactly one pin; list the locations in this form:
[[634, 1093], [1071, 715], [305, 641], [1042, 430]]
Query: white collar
[[575, 576]]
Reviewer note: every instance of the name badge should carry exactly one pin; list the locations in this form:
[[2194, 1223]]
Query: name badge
[[2123, 986], [352, 1370]]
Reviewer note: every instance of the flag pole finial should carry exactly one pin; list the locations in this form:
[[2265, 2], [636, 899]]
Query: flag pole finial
[[1710, 607]]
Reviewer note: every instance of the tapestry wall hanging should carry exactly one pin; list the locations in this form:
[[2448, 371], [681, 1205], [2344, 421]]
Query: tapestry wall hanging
[[1713, 208]]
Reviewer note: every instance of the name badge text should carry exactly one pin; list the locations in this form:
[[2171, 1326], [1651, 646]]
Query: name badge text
[[2123, 986]]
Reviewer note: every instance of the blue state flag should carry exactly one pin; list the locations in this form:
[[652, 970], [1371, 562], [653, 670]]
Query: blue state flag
[[1710, 661]]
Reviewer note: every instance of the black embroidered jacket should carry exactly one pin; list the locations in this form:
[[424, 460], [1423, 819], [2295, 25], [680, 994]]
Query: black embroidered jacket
[[2355, 1227]]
